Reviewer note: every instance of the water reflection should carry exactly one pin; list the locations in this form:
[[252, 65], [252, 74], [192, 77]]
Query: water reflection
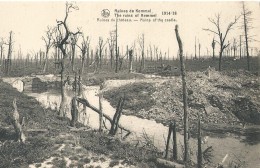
[[252, 136], [245, 146]]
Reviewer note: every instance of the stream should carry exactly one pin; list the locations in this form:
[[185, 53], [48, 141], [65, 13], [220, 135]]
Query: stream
[[237, 148]]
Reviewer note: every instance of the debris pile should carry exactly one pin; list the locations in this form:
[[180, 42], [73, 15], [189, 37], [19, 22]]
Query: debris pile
[[219, 99]]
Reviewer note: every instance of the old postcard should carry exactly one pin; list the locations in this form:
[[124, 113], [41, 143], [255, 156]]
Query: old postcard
[[130, 84]]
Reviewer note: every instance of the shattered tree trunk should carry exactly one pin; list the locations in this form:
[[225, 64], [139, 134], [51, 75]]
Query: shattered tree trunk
[[245, 20], [74, 112], [101, 112], [1, 54], [88, 60], [100, 58], [172, 130], [115, 122], [111, 58], [63, 104], [130, 61], [16, 123], [168, 141], [8, 68], [46, 61], [199, 159], [75, 84], [73, 48], [117, 55], [168, 164], [80, 90], [220, 59], [185, 102], [174, 137], [213, 44]]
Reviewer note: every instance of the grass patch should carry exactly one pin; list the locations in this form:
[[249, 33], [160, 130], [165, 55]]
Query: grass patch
[[14, 154], [60, 163], [113, 163], [85, 160], [137, 96], [117, 149]]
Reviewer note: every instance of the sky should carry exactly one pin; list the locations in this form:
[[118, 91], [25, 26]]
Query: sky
[[29, 21]]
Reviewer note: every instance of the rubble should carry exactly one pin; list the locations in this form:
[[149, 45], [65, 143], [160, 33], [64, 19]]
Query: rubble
[[213, 95]]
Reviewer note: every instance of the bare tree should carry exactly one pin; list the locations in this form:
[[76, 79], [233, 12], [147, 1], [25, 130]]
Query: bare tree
[[156, 53], [2, 50], [247, 21], [62, 41], [151, 52], [74, 40], [234, 47], [101, 45], [9, 55], [84, 48], [222, 36], [111, 45], [116, 44], [213, 44], [199, 49], [141, 45], [185, 101], [195, 47], [48, 44]]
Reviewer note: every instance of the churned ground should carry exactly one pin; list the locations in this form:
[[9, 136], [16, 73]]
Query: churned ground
[[51, 143], [219, 98]]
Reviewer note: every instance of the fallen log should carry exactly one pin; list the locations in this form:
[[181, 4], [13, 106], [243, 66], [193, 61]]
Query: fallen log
[[37, 130], [85, 102], [168, 164], [27, 130], [79, 129]]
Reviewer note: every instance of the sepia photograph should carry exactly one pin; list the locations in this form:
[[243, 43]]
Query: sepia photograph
[[125, 84]]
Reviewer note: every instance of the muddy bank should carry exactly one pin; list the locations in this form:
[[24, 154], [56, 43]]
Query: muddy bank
[[36, 83], [60, 145], [219, 99]]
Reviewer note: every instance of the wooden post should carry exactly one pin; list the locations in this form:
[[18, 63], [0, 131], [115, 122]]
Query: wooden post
[[199, 147], [174, 137], [185, 101], [168, 141]]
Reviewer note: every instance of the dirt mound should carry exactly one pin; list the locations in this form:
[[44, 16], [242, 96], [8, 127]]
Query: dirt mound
[[137, 96], [210, 94]]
